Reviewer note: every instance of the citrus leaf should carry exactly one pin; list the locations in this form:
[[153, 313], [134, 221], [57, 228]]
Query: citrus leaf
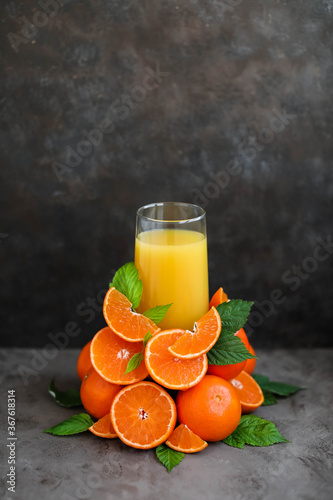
[[254, 431], [282, 389], [278, 388], [169, 458], [157, 313], [68, 398], [73, 425], [260, 379], [147, 337], [134, 362], [234, 314], [228, 350], [269, 398], [127, 281]]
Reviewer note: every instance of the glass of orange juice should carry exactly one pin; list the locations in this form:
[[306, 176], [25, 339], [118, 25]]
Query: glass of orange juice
[[171, 256]]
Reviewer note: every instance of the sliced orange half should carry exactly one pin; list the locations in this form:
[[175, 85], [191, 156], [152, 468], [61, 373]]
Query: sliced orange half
[[184, 440], [166, 369], [126, 323], [143, 415], [248, 391], [193, 344], [218, 297], [110, 355], [104, 428]]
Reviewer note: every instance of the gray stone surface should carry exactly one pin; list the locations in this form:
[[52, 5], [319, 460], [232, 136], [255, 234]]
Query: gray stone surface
[[85, 466]]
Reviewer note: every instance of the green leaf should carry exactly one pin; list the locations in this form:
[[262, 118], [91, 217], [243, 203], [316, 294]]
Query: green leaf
[[68, 398], [270, 399], [228, 349], [134, 362], [169, 458], [254, 431], [157, 313], [282, 389], [147, 337], [260, 379], [234, 314], [278, 388], [127, 281], [73, 425]]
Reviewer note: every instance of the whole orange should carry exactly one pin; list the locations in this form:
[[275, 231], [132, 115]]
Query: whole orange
[[250, 363], [97, 394], [230, 371], [83, 362], [242, 335], [226, 371], [211, 409]]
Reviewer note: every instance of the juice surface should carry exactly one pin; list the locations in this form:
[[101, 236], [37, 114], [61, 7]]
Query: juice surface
[[172, 264]]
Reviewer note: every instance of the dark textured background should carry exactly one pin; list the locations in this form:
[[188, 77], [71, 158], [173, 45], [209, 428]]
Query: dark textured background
[[228, 71]]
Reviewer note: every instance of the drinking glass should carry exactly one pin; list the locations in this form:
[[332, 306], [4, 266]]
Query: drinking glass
[[171, 256]]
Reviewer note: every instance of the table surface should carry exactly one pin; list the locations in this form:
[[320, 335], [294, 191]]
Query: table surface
[[85, 466]]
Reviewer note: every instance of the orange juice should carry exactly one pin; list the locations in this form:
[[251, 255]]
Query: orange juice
[[172, 264]]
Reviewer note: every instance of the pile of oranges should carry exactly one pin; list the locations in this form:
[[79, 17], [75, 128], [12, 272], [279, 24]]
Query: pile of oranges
[[141, 406]]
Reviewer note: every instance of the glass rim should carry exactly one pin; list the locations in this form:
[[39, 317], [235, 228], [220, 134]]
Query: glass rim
[[163, 203]]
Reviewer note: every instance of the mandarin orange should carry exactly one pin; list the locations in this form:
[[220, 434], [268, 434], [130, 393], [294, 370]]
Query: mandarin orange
[[143, 415], [184, 440], [166, 369], [128, 324], [110, 355], [97, 394], [250, 363], [206, 332], [218, 297], [104, 428], [211, 409], [84, 363], [230, 371], [248, 391]]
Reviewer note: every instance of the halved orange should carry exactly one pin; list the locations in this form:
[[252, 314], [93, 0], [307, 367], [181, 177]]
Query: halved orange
[[248, 391], [218, 297], [110, 355], [193, 344], [166, 369], [184, 440], [125, 322], [104, 428], [143, 415]]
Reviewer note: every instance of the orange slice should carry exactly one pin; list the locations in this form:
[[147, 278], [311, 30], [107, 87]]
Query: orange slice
[[248, 391], [143, 415], [166, 369], [104, 428], [184, 440], [193, 344], [83, 363], [218, 297], [126, 323], [110, 355]]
